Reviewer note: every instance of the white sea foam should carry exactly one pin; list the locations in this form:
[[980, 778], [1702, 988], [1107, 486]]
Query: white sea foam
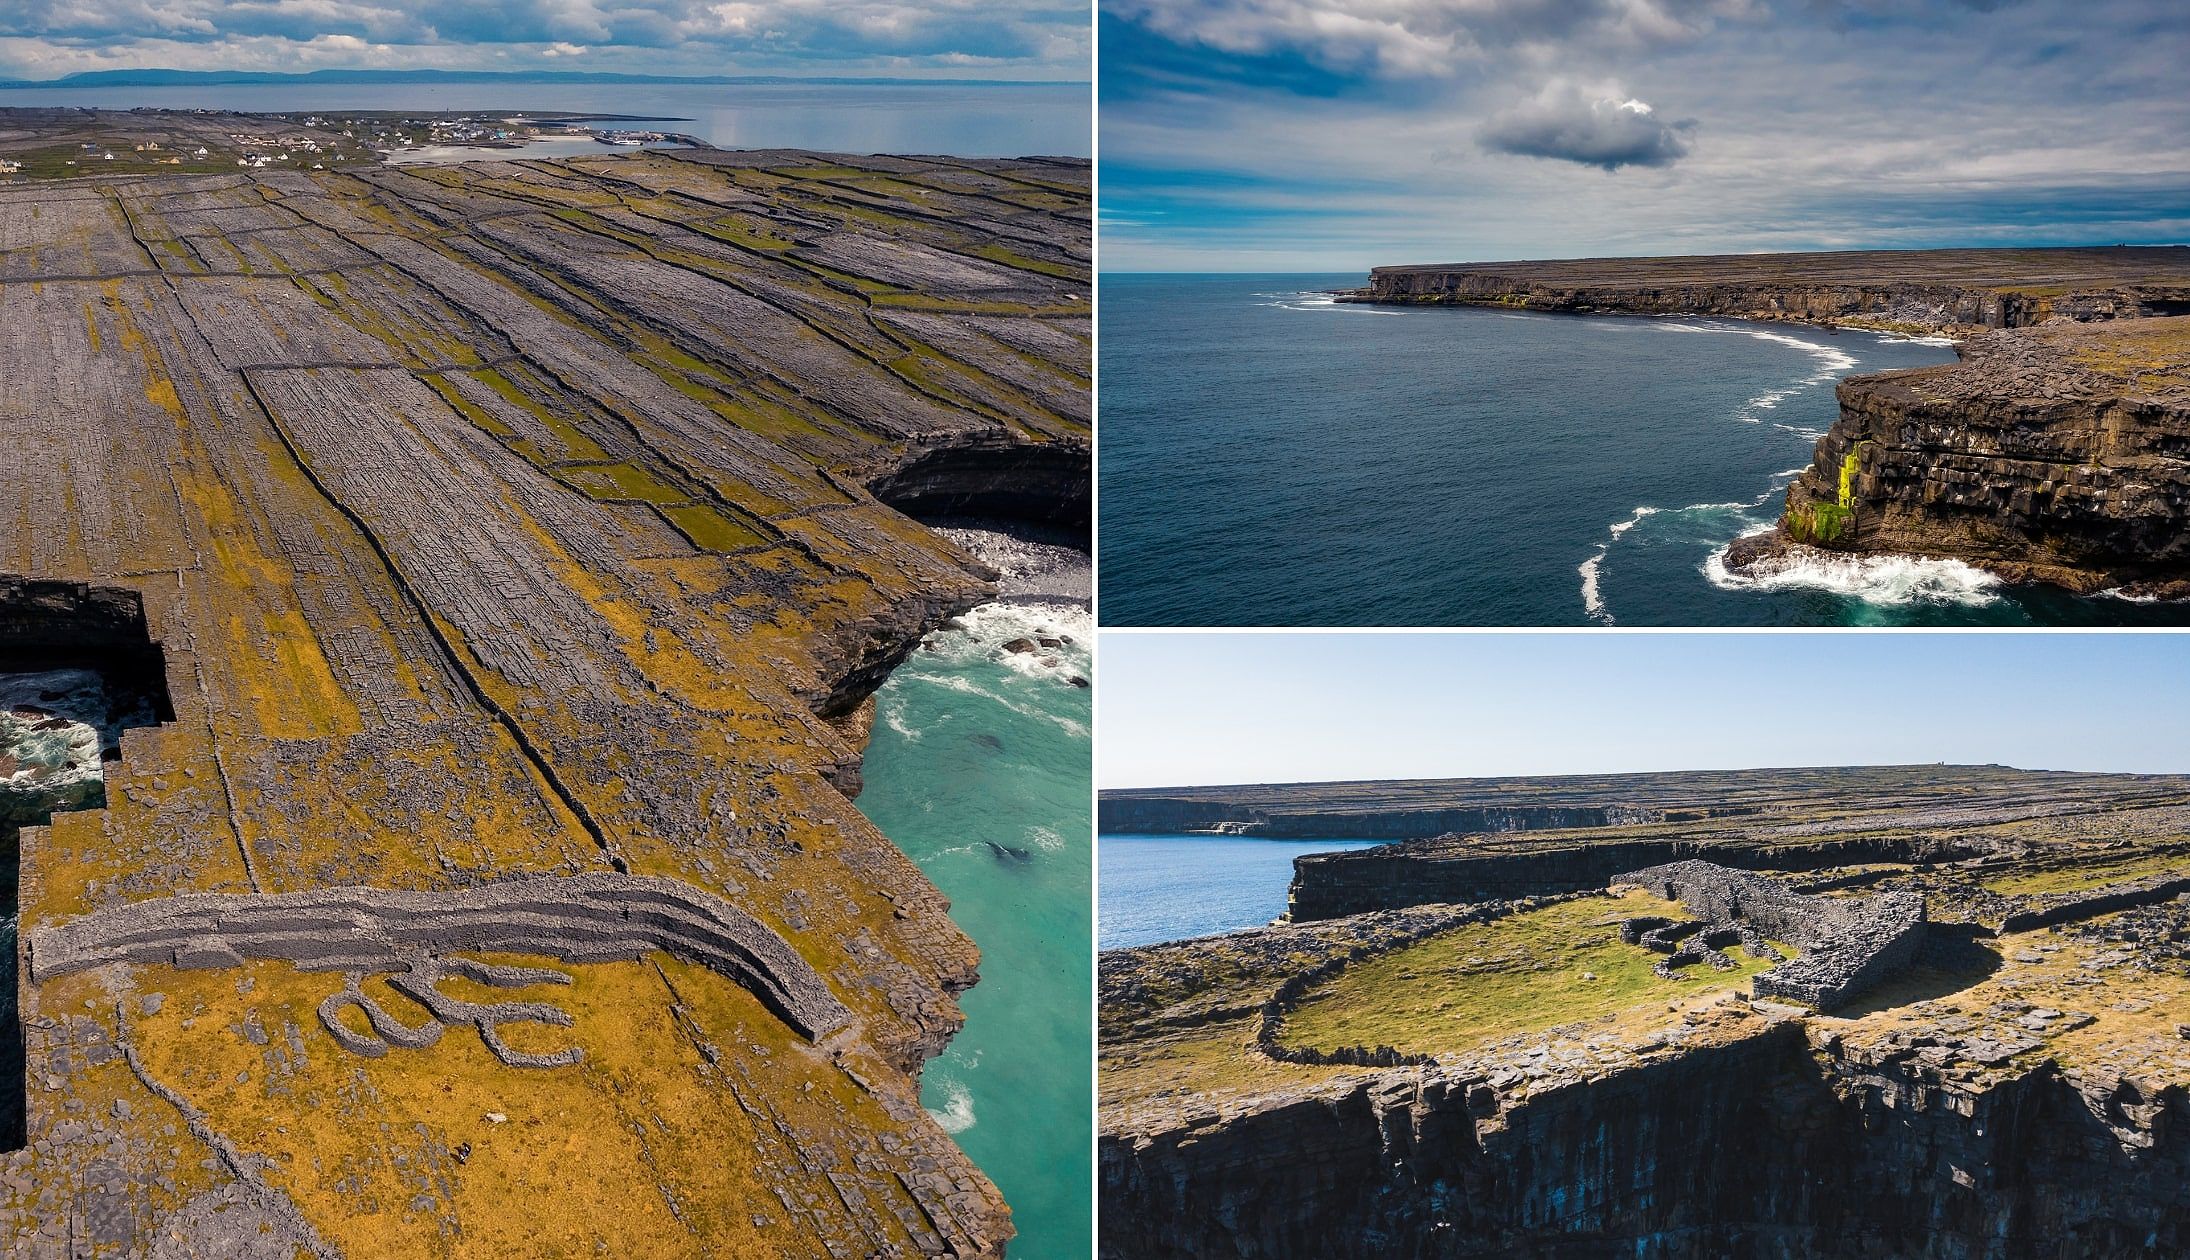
[[956, 1115], [1831, 362], [1320, 302], [967, 687], [892, 713], [1886, 581], [1831, 359], [1590, 569], [982, 633], [1592, 599], [1800, 432]]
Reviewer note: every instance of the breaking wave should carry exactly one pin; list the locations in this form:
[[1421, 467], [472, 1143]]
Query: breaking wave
[[1062, 635], [1590, 569], [1310, 301], [1831, 364], [1887, 581], [1913, 339], [1711, 515], [967, 687]]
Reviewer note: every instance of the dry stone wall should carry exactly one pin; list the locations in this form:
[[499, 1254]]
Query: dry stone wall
[[1848, 944]]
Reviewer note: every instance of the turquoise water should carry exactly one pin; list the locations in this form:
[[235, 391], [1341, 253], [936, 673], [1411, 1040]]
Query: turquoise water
[[1167, 888], [975, 746]]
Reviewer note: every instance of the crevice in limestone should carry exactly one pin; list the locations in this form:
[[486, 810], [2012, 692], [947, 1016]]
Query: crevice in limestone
[[77, 668]]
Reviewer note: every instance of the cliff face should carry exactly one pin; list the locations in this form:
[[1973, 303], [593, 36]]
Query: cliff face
[[1451, 869], [2058, 454], [1764, 1146], [1047, 485], [1913, 289], [1979, 1056], [1930, 305]]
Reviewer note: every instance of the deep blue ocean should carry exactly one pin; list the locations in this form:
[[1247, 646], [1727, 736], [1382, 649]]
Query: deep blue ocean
[[1270, 457], [981, 120], [981, 770], [1167, 888]]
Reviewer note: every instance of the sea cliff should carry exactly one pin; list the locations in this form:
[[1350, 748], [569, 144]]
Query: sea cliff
[[1491, 1045], [1904, 290], [2057, 454]]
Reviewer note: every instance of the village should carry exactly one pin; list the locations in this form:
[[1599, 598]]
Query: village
[[48, 143]]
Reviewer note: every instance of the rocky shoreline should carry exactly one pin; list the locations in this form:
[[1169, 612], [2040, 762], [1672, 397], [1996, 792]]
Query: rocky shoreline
[[2053, 453], [2058, 454]]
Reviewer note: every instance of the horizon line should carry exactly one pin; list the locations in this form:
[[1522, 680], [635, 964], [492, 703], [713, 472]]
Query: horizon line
[[1604, 774], [155, 76]]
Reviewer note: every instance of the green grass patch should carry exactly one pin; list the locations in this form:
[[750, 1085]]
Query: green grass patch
[[621, 481], [1018, 261], [1818, 523], [737, 230], [2083, 878], [576, 445], [712, 529], [1850, 467], [1524, 973]]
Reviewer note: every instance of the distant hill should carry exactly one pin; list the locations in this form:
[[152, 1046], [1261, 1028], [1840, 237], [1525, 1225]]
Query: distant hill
[[229, 78]]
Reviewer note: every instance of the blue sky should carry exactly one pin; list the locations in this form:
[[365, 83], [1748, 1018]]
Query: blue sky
[[1181, 709], [1027, 39], [1333, 135]]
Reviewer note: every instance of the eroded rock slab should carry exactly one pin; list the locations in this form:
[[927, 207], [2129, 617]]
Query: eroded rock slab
[[512, 530]]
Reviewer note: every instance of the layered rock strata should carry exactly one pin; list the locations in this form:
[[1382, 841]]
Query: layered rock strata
[[1499, 1079], [1757, 1141], [1911, 290], [2058, 454], [1669, 803], [1776, 820]]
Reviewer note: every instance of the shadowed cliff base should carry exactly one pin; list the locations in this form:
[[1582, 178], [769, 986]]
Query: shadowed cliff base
[[1046, 486], [1468, 1049], [77, 670]]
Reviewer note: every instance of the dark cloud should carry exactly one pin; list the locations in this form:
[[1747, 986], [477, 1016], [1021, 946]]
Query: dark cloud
[[1591, 126]]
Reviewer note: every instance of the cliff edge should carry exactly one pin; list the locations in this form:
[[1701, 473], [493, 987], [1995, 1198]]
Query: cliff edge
[[2057, 454], [1923, 1022], [1922, 290]]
